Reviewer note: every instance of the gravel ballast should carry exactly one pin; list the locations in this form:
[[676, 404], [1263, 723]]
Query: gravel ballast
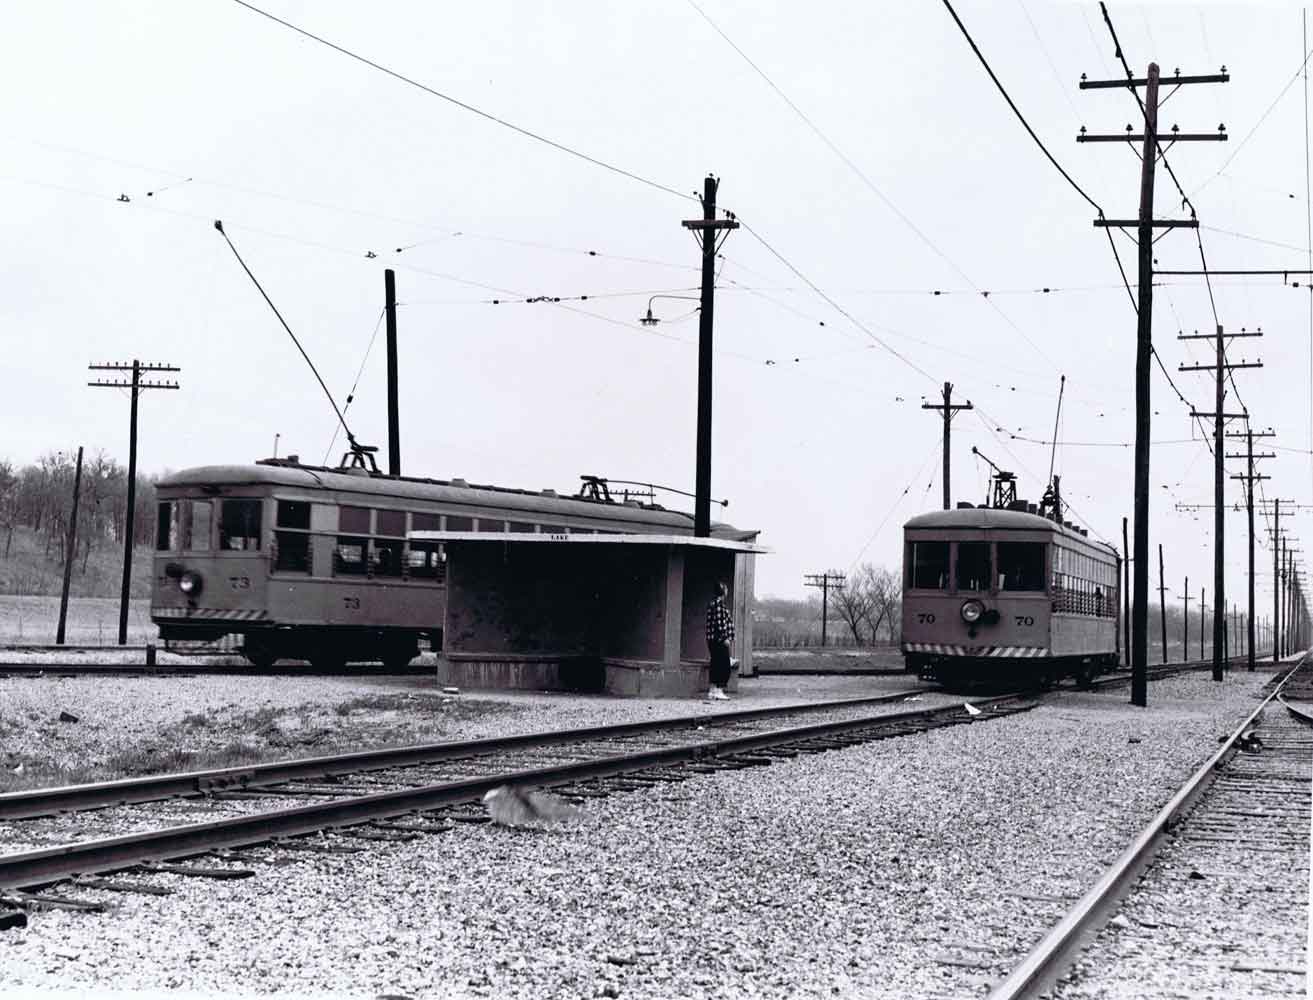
[[916, 867], [134, 725]]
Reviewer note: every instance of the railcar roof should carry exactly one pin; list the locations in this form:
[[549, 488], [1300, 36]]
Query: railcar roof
[[994, 517], [441, 491]]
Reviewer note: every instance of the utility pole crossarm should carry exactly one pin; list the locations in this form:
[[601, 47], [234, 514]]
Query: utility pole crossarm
[[1228, 367], [1176, 80]]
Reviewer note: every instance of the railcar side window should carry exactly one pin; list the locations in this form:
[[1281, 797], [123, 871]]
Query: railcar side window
[[166, 534], [292, 552], [350, 556], [385, 557], [292, 548], [196, 536], [457, 523], [391, 522], [491, 524], [1020, 566], [425, 561], [973, 566], [294, 514], [927, 565], [523, 527], [425, 522], [353, 520], [239, 525]]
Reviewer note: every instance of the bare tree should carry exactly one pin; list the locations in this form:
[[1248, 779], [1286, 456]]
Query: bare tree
[[851, 602], [884, 587]]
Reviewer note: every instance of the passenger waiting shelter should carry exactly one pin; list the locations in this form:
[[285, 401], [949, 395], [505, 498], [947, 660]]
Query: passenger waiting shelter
[[621, 613]]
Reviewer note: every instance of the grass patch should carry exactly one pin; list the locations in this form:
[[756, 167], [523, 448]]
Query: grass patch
[[233, 737]]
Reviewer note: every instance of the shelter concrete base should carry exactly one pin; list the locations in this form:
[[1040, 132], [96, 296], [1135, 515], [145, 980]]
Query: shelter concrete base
[[621, 677]]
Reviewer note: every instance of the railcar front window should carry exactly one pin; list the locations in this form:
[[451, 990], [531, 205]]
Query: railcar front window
[[239, 525], [197, 534], [166, 535], [1021, 566], [973, 566], [928, 565]]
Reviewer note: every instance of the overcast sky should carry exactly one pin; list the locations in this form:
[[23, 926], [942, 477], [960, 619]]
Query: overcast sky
[[321, 168]]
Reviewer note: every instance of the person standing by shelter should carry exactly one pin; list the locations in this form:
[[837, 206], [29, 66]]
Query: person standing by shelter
[[720, 633]]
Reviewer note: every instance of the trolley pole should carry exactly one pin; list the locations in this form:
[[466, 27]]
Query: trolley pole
[[949, 409], [825, 581], [69, 550], [705, 230], [129, 516], [394, 418]]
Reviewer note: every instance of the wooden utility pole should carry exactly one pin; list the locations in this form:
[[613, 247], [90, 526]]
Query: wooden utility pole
[[1145, 225], [69, 548], [1185, 625], [394, 417], [136, 385], [1276, 582], [1162, 599], [1219, 368], [1126, 592], [949, 409], [1249, 479], [825, 581], [705, 230]]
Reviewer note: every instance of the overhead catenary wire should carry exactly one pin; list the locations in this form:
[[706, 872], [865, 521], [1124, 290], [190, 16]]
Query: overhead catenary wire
[[870, 185], [410, 81], [351, 394]]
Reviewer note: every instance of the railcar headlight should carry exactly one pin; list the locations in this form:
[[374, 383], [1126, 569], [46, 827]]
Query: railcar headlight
[[972, 611], [190, 583]]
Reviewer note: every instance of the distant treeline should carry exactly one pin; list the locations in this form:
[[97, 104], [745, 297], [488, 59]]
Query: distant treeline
[[36, 505]]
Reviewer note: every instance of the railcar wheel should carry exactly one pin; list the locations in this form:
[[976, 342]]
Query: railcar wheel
[[1085, 676], [259, 654], [399, 655]]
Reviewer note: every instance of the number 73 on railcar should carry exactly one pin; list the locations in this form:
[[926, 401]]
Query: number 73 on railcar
[[1007, 596]]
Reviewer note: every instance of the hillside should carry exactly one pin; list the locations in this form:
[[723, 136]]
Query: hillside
[[30, 571]]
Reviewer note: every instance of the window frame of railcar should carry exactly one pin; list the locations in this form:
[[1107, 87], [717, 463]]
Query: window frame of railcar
[[168, 526], [1041, 570], [250, 521], [292, 535], [189, 532], [944, 568]]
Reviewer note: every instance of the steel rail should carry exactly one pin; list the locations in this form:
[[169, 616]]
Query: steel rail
[[31, 803], [1045, 964], [30, 870]]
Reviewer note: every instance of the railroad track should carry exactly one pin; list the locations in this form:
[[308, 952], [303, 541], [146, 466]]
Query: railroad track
[[1212, 896], [372, 804]]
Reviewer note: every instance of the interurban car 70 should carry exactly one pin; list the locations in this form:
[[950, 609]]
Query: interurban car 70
[[1006, 595]]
